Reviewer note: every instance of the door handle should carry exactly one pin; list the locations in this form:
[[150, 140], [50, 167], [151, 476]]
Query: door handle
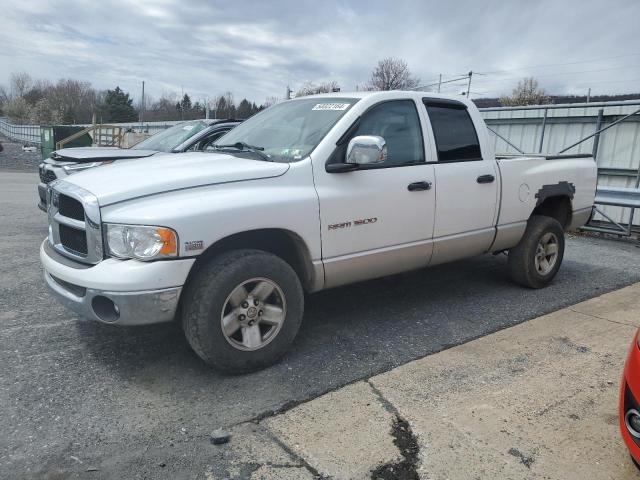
[[415, 186], [486, 178]]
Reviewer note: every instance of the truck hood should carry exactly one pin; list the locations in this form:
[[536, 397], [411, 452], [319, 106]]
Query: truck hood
[[122, 181], [95, 154]]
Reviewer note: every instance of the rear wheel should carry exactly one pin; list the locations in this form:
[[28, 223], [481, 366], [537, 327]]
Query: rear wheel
[[535, 261], [242, 310]]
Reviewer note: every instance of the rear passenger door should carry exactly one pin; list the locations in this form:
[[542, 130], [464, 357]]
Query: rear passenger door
[[466, 185]]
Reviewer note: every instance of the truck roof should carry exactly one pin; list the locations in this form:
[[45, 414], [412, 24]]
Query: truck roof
[[389, 95]]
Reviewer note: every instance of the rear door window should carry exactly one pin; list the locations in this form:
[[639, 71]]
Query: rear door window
[[454, 132]]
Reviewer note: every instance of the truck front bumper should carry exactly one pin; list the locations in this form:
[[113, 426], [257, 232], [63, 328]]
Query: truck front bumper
[[114, 291]]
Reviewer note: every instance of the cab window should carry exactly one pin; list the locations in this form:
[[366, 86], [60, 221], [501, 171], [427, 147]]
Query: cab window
[[454, 132], [398, 123]]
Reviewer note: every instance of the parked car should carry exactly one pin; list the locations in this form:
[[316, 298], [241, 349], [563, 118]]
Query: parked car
[[185, 136], [630, 402], [309, 194]]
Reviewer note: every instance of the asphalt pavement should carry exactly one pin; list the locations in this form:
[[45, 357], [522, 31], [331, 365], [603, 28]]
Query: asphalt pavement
[[113, 402]]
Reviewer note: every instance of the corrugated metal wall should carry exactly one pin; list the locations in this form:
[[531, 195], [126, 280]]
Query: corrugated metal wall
[[618, 155]]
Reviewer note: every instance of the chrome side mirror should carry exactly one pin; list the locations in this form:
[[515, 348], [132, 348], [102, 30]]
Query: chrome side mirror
[[366, 149]]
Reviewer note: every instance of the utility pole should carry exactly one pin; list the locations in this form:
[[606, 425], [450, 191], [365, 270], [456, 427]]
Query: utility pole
[[288, 95], [182, 103], [589, 95], [469, 86], [142, 106], [439, 82]]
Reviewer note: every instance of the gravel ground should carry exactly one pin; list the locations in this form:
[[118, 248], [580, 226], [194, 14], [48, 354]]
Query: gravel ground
[[14, 158], [138, 403]]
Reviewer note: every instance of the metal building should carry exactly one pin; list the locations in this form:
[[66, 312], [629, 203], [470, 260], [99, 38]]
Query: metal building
[[552, 128]]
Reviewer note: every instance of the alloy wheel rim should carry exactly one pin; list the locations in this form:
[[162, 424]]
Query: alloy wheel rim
[[546, 254], [253, 314]]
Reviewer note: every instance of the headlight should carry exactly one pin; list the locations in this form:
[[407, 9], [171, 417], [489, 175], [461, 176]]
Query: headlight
[[141, 242]]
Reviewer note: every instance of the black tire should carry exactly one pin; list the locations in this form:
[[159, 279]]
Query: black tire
[[522, 258], [206, 296]]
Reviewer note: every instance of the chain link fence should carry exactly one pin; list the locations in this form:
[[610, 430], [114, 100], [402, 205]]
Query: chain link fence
[[26, 134], [30, 134]]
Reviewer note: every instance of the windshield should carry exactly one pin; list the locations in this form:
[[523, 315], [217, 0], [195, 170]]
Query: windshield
[[289, 131], [167, 140]]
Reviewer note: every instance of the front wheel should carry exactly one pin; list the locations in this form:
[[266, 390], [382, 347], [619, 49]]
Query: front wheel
[[242, 310], [535, 261]]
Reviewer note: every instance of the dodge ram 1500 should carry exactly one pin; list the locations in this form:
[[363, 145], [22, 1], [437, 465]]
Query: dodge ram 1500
[[307, 195]]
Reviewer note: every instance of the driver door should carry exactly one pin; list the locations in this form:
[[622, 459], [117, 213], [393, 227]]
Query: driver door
[[374, 221]]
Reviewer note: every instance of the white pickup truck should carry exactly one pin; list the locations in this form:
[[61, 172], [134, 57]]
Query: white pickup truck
[[309, 194]]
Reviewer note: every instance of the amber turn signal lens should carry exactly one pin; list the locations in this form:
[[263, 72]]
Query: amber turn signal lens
[[169, 242]]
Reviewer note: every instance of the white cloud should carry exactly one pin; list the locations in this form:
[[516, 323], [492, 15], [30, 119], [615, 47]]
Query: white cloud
[[255, 48]]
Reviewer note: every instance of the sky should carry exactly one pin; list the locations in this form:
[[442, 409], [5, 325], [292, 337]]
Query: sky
[[256, 48]]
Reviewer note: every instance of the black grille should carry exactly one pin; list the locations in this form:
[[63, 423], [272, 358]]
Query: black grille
[[629, 403], [73, 239], [75, 289], [70, 207], [47, 176]]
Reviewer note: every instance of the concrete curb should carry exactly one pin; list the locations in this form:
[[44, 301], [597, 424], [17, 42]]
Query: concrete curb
[[537, 400]]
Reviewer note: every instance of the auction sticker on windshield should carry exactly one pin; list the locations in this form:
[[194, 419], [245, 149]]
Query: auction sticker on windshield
[[331, 106]]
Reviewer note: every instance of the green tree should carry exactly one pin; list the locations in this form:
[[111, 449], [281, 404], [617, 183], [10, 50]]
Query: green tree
[[222, 107], [225, 106], [119, 107], [244, 109], [186, 103]]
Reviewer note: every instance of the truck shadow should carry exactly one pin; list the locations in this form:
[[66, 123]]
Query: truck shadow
[[348, 333], [345, 322]]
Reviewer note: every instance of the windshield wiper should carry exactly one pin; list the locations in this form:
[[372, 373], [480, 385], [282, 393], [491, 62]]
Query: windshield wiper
[[245, 146]]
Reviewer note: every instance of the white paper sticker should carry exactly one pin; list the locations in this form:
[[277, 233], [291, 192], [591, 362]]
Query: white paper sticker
[[187, 127], [331, 106]]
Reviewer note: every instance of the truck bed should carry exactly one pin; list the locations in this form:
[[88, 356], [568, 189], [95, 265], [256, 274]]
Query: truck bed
[[527, 179]]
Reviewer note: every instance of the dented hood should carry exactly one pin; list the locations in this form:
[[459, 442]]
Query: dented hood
[[96, 154]]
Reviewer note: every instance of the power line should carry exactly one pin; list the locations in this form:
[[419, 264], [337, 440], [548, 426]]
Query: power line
[[489, 82], [563, 64], [623, 67], [442, 82], [587, 84]]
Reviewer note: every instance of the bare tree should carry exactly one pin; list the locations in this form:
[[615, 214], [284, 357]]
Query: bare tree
[[18, 110], [392, 74], [310, 88], [43, 113], [75, 99], [4, 98], [270, 101], [526, 93], [20, 83]]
